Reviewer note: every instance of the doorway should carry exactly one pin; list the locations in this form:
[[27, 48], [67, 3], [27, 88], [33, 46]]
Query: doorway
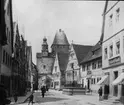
[[116, 86], [88, 84]]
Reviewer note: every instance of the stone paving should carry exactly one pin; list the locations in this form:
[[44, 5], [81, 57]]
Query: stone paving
[[54, 97]]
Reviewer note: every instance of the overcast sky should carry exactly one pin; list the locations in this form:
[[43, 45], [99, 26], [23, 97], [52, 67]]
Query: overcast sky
[[80, 20]]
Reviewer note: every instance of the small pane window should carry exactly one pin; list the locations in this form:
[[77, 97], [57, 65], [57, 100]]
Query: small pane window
[[83, 68], [117, 14], [6, 58], [44, 66], [111, 51], [110, 20], [99, 64], [55, 68], [105, 53], [118, 47]]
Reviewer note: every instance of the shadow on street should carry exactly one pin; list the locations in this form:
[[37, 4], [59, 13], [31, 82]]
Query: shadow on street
[[48, 99]]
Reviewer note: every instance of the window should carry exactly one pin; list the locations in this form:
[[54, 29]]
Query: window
[[110, 20], [4, 56], [93, 65], [44, 66], [118, 47], [88, 66], [111, 51], [55, 68], [83, 68], [94, 81], [8, 9], [9, 37], [99, 64], [72, 65], [117, 14], [98, 79], [105, 53]]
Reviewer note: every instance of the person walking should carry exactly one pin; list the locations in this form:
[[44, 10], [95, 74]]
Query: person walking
[[43, 90], [31, 98], [100, 93], [15, 96]]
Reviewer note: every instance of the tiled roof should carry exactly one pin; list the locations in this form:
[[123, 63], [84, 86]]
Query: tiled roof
[[94, 53], [60, 38], [63, 60], [81, 51]]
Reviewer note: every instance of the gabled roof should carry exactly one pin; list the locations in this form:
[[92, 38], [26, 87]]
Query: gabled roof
[[63, 60], [81, 51], [94, 53], [60, 38]]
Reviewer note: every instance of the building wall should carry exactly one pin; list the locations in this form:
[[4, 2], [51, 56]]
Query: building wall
[[56, 74], [95, 75], [113, 33], [44, 65], [6, 66]]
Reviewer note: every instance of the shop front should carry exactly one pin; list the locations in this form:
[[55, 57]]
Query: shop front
[[119, 81], [104, 82]]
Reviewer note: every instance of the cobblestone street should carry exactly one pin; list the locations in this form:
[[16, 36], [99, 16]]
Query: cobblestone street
[[54, 97]]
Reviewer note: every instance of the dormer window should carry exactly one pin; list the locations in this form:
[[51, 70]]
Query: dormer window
[[117, 14], [110, 20]]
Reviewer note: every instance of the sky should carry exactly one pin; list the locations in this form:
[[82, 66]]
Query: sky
[[80, 20]]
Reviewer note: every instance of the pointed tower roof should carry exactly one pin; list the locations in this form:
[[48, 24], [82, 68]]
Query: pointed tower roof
[[60, 38]]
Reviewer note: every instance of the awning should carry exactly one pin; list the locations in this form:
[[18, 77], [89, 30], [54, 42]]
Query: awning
[[104, 80], [119, 79]]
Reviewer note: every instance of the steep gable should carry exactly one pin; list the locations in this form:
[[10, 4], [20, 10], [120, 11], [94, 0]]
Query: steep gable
[[56, 67]]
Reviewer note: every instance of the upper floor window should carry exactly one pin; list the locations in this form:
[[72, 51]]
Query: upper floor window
[[44, 66], [55, 68], [83, 68], [105, 53], [110, 20], [93, 65], [117, 14], [99, 64], [8, 9], [88, 66], [72, 65], [111, 51], [118, 47]]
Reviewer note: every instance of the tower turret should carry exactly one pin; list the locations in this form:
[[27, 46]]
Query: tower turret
[[44, 47]]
